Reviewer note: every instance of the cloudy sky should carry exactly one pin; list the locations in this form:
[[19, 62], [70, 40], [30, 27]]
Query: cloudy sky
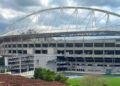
[[11, 10]]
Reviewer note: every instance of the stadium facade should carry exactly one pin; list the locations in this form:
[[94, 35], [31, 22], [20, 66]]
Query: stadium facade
[[90, 56]]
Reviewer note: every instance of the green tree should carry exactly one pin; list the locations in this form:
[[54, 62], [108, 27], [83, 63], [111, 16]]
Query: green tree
[[48, 75]]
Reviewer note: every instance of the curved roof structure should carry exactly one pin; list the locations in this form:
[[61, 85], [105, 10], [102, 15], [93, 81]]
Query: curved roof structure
[[86, 22], [57, 8]]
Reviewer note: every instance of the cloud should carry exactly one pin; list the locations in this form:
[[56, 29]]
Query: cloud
[[18, 5], [9, 13], [11, 10], [110, 3], [44, 2]]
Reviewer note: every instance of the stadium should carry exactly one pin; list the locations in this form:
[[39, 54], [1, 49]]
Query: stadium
[[63, 39]]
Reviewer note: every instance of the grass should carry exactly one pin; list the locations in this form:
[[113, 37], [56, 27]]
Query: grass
[[75, 82], [112, 81]]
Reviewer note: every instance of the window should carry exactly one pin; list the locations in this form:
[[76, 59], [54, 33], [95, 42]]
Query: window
[[109, 52], [90, 65], [20, 51], [89, 59], [5, 46], [37, 51], [14, 51], [111, 65], [24, 51], [69, 51], [108, 60], [117, 45], [82, 64], [97, 52], [19, 45], [61, 69], [117, 52], [99, 45], [62, 64], [78, 51], [60, 51], [37, 45], [61, 58], [116, 65], [88, 44], [117, 60], [31, 45], [9, 51], [60, 45], [9, 45], [69, 44], [44, 51], [100, 65], [44, 45], [71, 59], [105, 65], [24, 45], [78, 44], [80, 59], [88, 51], [73, 69], [80, 70], [109, 44], [14, 45], [78, 64], [97, 59], [52, 45]]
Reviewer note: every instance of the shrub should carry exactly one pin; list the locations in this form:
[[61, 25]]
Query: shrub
[[48, 75], [49, 78], [59, 77]]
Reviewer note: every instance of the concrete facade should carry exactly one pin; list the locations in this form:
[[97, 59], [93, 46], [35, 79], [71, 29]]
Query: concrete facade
[[88, 56]]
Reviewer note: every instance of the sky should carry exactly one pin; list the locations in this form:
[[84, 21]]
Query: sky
[[11, 10]]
